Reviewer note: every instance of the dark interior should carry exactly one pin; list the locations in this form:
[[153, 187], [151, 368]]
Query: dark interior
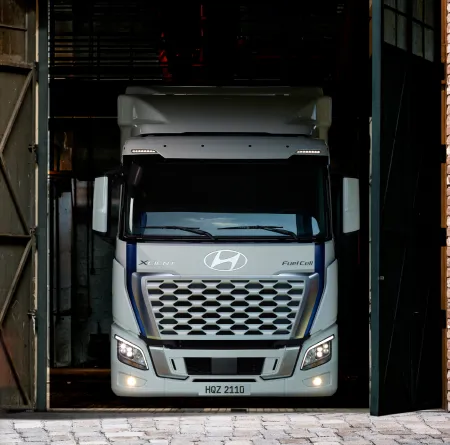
[[99, 48]]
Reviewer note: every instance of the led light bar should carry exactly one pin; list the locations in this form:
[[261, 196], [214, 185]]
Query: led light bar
[[143, 150], [308, 152]]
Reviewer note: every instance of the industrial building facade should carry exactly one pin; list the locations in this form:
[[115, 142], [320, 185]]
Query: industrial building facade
[[75, 48]]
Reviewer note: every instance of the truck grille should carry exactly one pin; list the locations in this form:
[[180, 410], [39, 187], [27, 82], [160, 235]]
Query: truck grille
[[225, 308]]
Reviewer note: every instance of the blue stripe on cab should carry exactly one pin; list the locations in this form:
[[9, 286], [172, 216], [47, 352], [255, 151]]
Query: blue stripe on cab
[[319, 268], [131, 268]]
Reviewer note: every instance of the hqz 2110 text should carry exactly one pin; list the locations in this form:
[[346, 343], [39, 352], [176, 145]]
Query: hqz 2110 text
[[225, 389]]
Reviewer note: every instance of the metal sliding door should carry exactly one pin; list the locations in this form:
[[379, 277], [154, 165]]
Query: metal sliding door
[[406, 204], [17, 204]]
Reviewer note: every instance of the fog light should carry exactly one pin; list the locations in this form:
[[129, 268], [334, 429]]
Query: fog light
[[317, 381], [131, 381]]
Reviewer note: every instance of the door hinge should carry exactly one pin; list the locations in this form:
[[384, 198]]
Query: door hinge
[[33, 233], [443, 154], [33, 317], [36, 70], [33, 148]]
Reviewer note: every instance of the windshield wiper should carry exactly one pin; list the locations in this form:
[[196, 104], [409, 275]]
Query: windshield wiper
[[275, 229], [195, 230]]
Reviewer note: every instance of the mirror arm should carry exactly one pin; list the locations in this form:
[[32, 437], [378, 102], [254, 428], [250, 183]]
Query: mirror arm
[[117, 174]]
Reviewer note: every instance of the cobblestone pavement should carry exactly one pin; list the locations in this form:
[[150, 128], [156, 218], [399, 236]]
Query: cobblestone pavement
[[318, 428]]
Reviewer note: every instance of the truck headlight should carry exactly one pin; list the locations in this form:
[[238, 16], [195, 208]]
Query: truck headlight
[[130, 354], [318, 354]]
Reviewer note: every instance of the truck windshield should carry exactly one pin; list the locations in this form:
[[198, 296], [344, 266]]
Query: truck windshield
[[229, 200]]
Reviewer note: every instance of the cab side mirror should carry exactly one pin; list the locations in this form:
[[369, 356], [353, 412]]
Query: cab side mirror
[[350, 205], [100, 207]]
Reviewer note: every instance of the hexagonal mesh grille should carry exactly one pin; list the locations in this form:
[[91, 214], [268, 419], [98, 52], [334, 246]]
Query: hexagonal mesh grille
[[226, 307]]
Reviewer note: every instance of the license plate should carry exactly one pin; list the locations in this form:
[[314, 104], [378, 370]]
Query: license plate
[[225, 390]]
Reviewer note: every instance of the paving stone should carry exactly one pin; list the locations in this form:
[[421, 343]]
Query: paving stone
[[219, 431], [192, 429], [356, 441], [278, 435], [325, 439], [242, 432], [299, 434], [155, 435], [384, 442], [210, 442], [70, 442], [226, 429], [93, 441], [182, 442], [130, 442], [41, 442], [323, 432], [8, 436], [24, 424], [306, 425], [130, 434], [328, 443], [80, 429], [266, 442], [293, 441], [239, 442], [90, 440]]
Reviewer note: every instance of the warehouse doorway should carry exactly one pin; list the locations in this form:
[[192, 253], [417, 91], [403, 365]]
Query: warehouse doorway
[[98, 49], [183, 45]]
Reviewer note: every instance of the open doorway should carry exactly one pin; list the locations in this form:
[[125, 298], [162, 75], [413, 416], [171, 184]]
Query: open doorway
[[260, 46]]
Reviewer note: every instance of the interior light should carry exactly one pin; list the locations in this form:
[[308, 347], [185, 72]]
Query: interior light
[[317, 381], [143, 150], [131, 381]]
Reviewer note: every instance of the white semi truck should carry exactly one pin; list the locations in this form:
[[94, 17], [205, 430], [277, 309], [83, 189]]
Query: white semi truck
[[225, 278]]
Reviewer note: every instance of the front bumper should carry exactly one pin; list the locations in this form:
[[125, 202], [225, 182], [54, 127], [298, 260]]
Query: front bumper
[[170, 362]]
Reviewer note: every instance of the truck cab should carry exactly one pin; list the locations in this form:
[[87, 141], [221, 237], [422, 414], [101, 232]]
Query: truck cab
[[225, 277]]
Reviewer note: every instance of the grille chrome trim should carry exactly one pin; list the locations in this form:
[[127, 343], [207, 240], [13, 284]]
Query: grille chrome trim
[[205, 308]]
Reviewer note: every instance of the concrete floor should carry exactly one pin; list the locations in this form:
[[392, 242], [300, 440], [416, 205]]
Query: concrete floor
[[225, 428]]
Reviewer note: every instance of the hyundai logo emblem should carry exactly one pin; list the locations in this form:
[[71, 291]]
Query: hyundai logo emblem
[[225, 260]]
